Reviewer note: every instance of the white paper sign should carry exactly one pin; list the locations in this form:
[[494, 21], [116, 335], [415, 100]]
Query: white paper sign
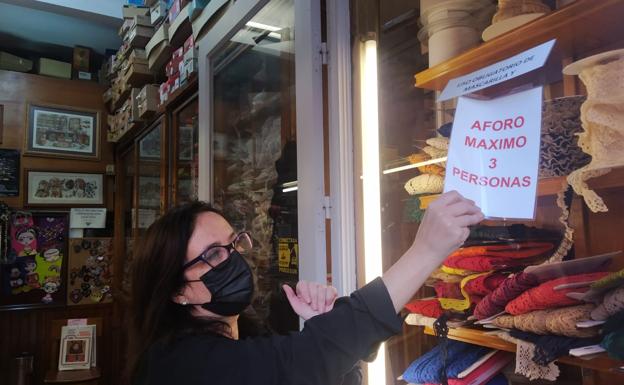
[[504, 70], [494, 153], [92, 218]]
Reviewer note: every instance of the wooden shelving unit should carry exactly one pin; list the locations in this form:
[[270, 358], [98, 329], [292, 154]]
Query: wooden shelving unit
[[580, 28], [600, 362]]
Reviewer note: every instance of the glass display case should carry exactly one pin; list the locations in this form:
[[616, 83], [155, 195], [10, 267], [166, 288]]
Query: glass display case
[[185, 164], [150, 186], [418, 55], [254, 151]]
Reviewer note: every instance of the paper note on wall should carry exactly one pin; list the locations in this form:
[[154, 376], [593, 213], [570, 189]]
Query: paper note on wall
[[494, 153]]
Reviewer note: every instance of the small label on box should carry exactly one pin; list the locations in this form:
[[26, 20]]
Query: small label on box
[[84, 75]]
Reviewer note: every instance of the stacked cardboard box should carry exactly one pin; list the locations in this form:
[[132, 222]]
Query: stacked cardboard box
[[181, 67]]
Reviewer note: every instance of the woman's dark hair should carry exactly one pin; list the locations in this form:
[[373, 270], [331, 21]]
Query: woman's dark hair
[[157, 276]]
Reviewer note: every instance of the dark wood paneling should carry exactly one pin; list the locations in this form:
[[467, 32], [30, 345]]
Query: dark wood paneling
[[29, 330]]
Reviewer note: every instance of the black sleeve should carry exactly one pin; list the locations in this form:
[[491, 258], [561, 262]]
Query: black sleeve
[[326, 349]]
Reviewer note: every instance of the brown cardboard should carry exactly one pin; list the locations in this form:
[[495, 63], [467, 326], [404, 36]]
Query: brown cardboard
[[14, 63], [54, 68], [147, 101], [139, 36]]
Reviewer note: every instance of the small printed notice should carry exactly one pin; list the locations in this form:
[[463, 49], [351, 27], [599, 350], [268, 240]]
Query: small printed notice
[[87, 218], [494, 153], [504, 70]]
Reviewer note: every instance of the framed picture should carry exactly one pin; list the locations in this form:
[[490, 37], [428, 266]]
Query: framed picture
[[185, 143], [149, 145], [61, 132], [33, 272], [75, 353], [63, 188], [9, 173]]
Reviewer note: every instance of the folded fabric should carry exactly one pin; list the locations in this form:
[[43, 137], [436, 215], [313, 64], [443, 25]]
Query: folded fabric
[[429, 307], [428, 368], [525, 351], [549, 348], [448, 290], [486, 371], [493, 257], [610, 281], [509, 289], [483, 285], [446, 276], [425, 184], [612, 303], [412, 211], [545, 296], [560, 322]]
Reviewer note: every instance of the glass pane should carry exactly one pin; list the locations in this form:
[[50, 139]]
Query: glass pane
[[187, 153], [254, 151], [149, 181]]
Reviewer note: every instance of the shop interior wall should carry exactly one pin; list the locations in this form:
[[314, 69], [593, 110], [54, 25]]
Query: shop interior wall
[[28, 330]]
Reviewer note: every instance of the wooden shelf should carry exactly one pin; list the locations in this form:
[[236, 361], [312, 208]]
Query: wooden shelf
[[552, 186], [580, 28], [600, 362]]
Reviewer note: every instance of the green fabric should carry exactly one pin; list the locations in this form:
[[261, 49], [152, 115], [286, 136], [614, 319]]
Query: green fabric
[[412, 211]]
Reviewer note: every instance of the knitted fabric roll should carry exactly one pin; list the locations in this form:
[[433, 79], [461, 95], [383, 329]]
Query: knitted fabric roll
[[439, 142], [509, 289], [505, 321], [433, 169], [425, 184], [492, 257], [427, 368], [484, 284], [533, 322], [448, 290], [563, 321], [612, 303], [427, 307], [446, 277], [544, 296], [610, 281]]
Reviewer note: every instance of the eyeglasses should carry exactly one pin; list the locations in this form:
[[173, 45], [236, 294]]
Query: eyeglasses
[[217, 254]]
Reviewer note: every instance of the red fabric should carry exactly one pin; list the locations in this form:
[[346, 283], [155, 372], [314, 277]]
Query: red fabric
[[493, 257], [545, 296], [512, 286], [484, 284], [486, 371], [427, 307], [448, 290]]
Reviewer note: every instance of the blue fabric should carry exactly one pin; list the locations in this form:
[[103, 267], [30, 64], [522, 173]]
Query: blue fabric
[[427, 368]]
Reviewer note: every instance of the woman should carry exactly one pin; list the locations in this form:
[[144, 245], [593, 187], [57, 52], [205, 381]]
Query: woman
[[190, 283]]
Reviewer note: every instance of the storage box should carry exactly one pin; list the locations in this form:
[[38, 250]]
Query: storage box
[[209, 16], [139, 36], [196, 7], [137, 75], [158, 49], [174, 11], [14, 63], [129, 11], [180, 29], [163, 91], [54, 68], [177, 58], [147, 101], [158, 12]]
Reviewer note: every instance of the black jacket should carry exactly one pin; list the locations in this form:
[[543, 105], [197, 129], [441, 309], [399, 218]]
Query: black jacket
[[322, 353]]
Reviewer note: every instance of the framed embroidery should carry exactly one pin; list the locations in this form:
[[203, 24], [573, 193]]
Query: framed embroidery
[[63, 188], [32, 274]]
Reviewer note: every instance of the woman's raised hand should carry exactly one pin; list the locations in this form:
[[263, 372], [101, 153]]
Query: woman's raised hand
[[311, 298]]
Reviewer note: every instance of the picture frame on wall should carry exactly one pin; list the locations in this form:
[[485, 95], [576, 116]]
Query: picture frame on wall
[[62, 132], [9, 173], [33, 273], [44, 188]]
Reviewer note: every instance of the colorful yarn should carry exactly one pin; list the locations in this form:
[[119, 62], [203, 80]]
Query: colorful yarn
[[448, 290], [493, 257], [483, 285], [427, 368], [427, 307], [610, 281], [563, 321], [509, 289], [612, 303], [545, 296]]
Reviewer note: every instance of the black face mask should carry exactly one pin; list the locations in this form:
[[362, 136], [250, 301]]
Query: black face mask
[[231, 286]]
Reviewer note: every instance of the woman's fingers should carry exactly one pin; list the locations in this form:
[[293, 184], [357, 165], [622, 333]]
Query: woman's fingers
[[330, 297], [303, 291], [463, 207]]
